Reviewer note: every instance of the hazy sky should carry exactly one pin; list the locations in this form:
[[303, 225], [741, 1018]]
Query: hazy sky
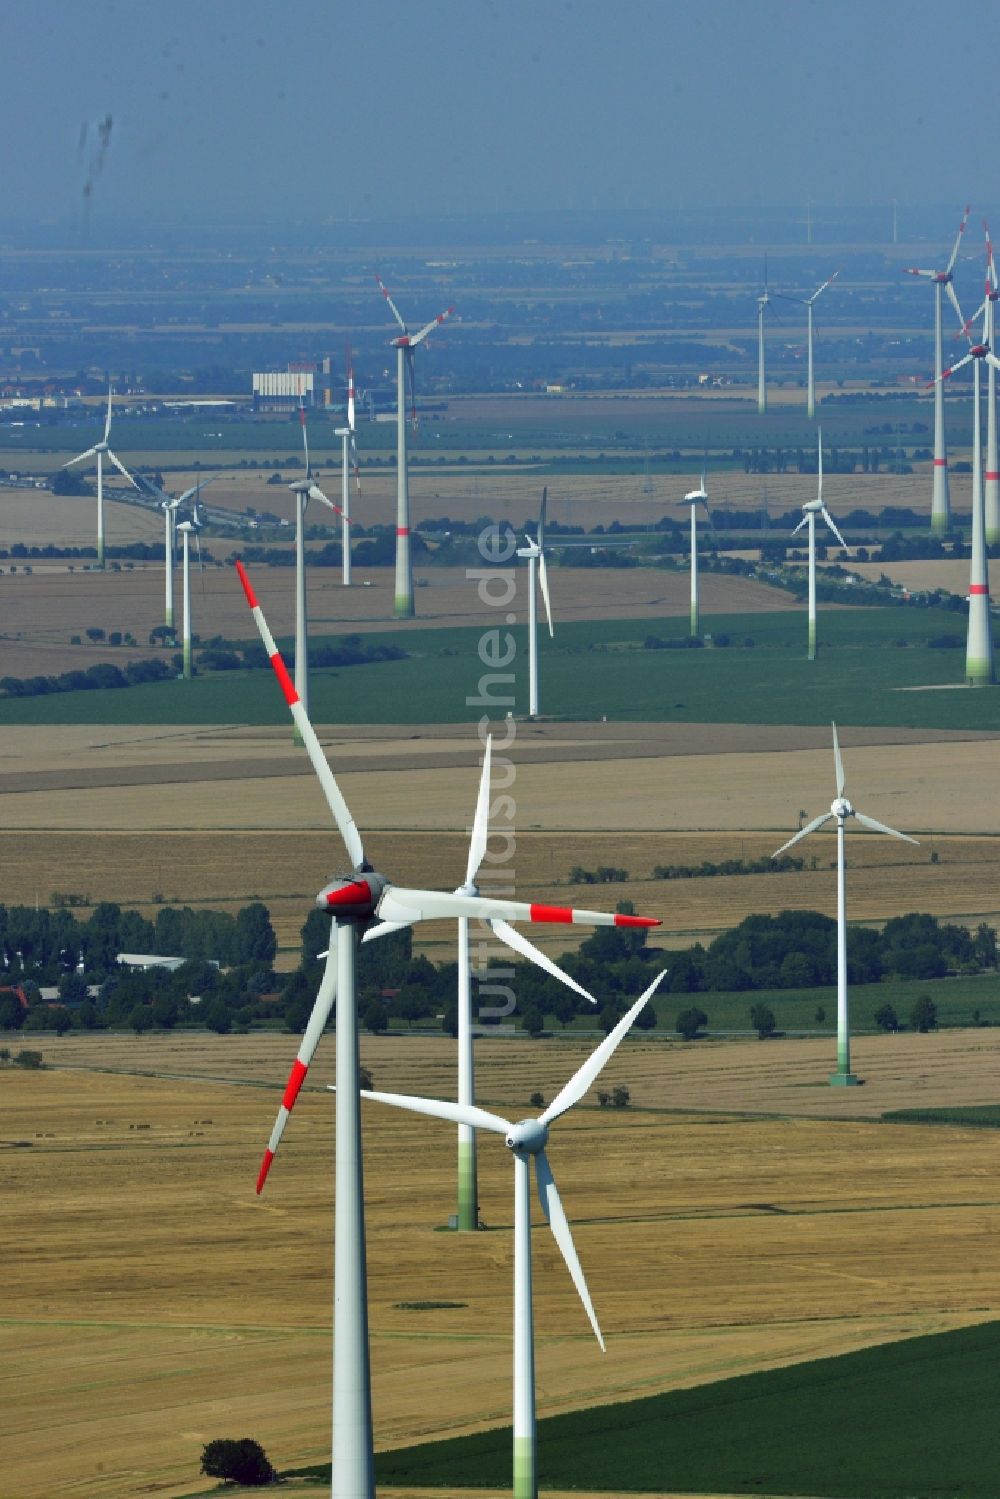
[[321, 108]]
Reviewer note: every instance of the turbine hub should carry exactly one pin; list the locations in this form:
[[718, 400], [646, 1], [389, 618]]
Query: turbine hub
[[841, 808], [352, 897], [527, 1137]]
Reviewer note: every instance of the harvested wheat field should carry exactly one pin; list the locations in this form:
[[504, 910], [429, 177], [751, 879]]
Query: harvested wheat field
[[40, 612], [671, 795], [155, 1303]]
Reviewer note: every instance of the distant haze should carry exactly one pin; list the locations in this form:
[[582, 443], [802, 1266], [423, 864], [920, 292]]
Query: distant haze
[[199, 112]]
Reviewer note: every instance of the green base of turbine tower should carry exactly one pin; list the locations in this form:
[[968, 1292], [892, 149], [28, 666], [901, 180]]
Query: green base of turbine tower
[[844, 1080], [404, 609], [467, 1218]]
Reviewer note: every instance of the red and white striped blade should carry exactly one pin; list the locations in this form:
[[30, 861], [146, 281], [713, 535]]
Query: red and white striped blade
[[399, 903], [392, 306], [310, 1040], [442, 317], [335, 801], [829, 280], [958, 240], [947, 374], [910, 270]]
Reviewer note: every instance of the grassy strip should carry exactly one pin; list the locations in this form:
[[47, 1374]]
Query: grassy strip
[[908, 1420], [970, 1116]]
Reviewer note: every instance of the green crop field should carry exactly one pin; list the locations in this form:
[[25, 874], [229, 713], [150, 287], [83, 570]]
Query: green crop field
[[908, 1420], [599, 669], [973, 1116]]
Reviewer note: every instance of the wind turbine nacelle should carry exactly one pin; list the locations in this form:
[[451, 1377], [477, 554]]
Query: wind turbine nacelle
[[814, 505], [354, 897], [527, 1137], [841, 808]]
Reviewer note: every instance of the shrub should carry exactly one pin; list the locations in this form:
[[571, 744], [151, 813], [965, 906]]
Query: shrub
[[690, 1022], [32, 1060], [620, 1097], [762, 1020], [243, 1461], [886, 1018], [923, 1016], [537, 1101]]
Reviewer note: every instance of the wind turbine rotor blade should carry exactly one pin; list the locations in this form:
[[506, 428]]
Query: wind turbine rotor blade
[[555, 1215], [454, 1113], [305, 438], [399, 903], [121, 468], [540, 537], [354, 460], [442, 317], [543, 583], [953, 299], [321, 1010], [880, 827], [516, 940], [992, 359], [581, 1081], [810, 827], [909, 270], [481, 821], [392, 306], [958, 241], [947, 374], [107, 419], [320, 764], [315, 493], [828, 282], [838, 762], [830, 522], [803, 522], [90, 453], [350, 394]]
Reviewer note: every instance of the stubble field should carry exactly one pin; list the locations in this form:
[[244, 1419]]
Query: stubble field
[[198, 1310]]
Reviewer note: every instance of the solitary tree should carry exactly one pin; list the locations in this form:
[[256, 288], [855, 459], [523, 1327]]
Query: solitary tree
[[690, 1022], [923, 1016], [762, 1020], [243, 1461], [886, 1018]]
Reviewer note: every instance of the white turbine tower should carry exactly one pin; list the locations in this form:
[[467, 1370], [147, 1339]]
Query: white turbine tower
[[170, 508], [304, 490], [942, 281], [534, 550], [468, 1187], [840, 810], [362, 905], [763, 303], [991, 487], [808, 303], [187, 528], [979, 667], [812, 508], [404, 346], [694, 498], [349, 459], [98, 451], [525, 1140]]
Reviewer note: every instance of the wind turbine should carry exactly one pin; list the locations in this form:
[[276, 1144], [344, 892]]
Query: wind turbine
[[840, 810], [98, 450], [942, 281], [807, 303], [525, 1140], [534, 550], [468, 1189], [812, 508], [694, 498], [363, 904], [763, 302], [404, 346], [979, 668], [188, 528], [349, 456], [991, 488], [304, 490], [170, 508]]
